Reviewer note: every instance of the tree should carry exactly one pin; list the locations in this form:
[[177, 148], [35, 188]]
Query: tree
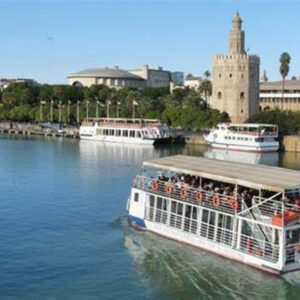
[[207, 74], [205, 88], [284, 69]]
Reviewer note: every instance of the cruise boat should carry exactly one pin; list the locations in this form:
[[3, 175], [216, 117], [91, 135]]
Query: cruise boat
[[137, 131], [247, 213], [244, 137]]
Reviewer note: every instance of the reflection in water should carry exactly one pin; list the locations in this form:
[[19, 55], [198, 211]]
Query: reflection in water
[[181, 271]]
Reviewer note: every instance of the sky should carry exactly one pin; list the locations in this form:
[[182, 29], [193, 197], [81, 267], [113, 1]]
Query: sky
[[47, 40]]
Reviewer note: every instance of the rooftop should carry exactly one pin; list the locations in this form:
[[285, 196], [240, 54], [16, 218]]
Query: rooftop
[[253, 176], [106, 73], [277, 85]]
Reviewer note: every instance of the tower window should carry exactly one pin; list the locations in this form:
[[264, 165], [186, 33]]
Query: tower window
[[242, 75], [242, 111], [230, 75], [242, 95], [220, 75], [219, 95]]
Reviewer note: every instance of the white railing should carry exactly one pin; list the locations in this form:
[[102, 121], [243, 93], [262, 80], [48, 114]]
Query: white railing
[[292, 253], [182, 192], [259, 248]]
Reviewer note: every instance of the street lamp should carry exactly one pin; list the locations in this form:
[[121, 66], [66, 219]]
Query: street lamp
[[134, 103], [118, 108], [51, 110], [77, 110], [69, 102], [108, 103], [41, 110], [59, 112], [87, 110]]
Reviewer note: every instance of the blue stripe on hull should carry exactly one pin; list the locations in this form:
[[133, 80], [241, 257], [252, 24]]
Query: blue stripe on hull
[[136, 222]]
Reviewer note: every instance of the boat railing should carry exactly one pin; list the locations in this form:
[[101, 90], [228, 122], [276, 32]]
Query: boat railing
[[185, 193], [273, 211], [292, 253], [191, 224]]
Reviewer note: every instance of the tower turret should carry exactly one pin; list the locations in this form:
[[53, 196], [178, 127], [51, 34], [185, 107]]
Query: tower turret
[[237, 36]]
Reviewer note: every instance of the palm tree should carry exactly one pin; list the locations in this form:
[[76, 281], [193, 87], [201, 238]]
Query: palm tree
[[206, 85], [284, 70]]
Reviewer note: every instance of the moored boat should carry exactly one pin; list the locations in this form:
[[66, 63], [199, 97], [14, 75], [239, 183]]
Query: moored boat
[[244, 137], [120, 130], [247, 213]]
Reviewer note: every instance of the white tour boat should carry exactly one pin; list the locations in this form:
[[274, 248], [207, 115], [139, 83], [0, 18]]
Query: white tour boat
[[247, 213], [137, 131], [244, 137]]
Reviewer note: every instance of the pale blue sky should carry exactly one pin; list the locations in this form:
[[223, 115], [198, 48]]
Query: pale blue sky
[[47, 40]]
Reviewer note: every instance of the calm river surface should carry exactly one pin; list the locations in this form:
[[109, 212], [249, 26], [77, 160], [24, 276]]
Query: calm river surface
[[63, 234]]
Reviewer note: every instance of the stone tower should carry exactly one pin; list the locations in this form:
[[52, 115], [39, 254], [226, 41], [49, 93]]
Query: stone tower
[[235, 78]]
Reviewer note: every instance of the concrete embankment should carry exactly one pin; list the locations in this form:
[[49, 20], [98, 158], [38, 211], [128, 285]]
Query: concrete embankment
[[291, 143], [37, 129], [195, 139]]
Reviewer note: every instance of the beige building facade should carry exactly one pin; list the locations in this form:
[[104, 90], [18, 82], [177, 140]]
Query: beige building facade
[[271, 95], [235, 78], [111, 77], [155, 77]]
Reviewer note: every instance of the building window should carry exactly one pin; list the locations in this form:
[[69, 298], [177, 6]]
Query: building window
[[242, 95], [219, 95], [242, 75], [242, 111], [136, 197]]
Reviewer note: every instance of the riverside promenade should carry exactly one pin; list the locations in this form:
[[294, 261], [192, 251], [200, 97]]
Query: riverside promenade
[[38, 129]]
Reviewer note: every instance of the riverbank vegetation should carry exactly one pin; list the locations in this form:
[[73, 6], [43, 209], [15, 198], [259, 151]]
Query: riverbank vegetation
[[30, 101], [287, 121]]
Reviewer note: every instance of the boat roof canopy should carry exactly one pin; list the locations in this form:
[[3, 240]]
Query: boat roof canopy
[[254, 176]]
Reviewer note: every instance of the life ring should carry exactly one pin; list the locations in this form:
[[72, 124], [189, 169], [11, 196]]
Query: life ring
[[216, 200], [183, 193], [155, 185], [199, 197], [234, 203], [169, 189]]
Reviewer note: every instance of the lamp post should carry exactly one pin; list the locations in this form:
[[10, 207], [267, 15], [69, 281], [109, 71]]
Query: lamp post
[[134, 103], [118, 108], [108, 102], [87, 109], [69, 103], [59, 112], [41, 110], [51, 110], [77, 110]]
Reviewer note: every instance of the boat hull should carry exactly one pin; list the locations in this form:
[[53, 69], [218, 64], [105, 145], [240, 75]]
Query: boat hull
[[203, 244], [246, 148], [126, 140]]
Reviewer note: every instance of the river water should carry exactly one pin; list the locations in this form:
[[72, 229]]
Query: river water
[[63, 234]]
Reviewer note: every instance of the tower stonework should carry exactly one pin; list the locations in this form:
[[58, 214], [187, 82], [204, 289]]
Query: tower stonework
[[235, 78]]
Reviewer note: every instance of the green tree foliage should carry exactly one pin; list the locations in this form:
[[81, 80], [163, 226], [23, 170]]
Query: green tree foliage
[[286, 120], [184, 108]]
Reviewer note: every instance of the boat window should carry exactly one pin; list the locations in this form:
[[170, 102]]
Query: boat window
[[136, 197], [180, 209], [125, 132], [111, 132], [229, 137], [233, 137], [246, 139], [205, 216], [292, 236], [152, 199], [159, 203], [165, 204], [132, 133], [105, 132], [173, 207], [138, 134], [118, 132]]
